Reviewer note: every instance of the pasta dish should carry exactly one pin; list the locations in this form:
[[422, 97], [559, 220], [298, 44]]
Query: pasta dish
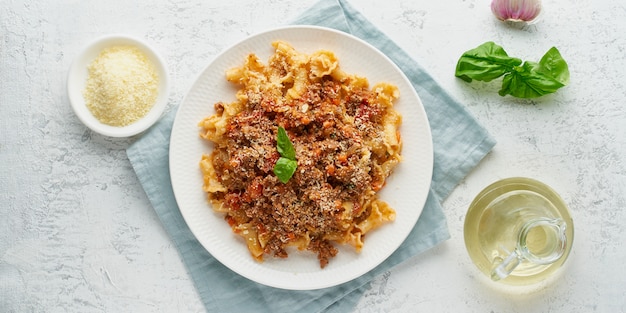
[[344, 140]]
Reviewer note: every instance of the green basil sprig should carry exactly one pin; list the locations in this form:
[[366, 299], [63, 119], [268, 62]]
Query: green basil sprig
[[528, 80], [287, 163]]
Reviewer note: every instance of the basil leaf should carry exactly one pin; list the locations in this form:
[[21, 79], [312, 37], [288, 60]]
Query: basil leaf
[[553, 65], [533, 80], [286, 164], [528, 80], [284, 145], [284, 169], [485, 63]]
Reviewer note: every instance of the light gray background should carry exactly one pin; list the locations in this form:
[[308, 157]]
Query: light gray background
[[77, 233]]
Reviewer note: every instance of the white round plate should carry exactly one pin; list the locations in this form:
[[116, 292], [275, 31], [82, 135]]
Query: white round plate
[[406, 190], [77, 80]]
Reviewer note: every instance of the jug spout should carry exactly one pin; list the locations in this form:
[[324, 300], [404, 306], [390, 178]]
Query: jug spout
[[540, 241]]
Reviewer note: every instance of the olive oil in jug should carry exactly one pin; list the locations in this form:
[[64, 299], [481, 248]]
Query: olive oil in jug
[[518, 231]]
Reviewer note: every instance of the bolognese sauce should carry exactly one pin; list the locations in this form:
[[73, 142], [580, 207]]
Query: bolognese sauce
[[341, 131]]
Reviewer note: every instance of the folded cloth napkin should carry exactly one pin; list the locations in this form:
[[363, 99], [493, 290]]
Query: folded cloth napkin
[[459, 144]]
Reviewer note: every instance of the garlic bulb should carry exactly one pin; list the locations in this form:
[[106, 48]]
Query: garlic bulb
[[516, 10]]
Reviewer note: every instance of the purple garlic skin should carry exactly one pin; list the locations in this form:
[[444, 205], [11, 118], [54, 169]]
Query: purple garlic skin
[[516, 10]]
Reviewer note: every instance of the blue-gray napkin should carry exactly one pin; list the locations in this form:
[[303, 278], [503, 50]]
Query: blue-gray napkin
[[459, 144]]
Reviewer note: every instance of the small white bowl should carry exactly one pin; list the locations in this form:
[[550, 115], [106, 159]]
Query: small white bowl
[[77, 80]]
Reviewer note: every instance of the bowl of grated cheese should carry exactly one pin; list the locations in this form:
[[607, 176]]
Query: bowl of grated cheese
[[118, 86]]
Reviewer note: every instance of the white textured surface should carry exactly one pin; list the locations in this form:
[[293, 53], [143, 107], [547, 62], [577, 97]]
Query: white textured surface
[[77, 233]]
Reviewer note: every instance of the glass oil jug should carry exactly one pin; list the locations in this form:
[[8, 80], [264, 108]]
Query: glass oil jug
[[518, 231]]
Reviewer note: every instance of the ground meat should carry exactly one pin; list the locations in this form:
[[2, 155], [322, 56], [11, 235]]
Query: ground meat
[[329, 128]]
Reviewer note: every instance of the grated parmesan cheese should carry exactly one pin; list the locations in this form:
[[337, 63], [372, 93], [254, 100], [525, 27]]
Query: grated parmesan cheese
[[122, 86]]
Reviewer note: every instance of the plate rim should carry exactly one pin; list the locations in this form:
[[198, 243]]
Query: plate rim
[[425, 191]]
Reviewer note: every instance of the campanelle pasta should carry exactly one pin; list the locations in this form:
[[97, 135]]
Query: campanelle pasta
[[347, 142]]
